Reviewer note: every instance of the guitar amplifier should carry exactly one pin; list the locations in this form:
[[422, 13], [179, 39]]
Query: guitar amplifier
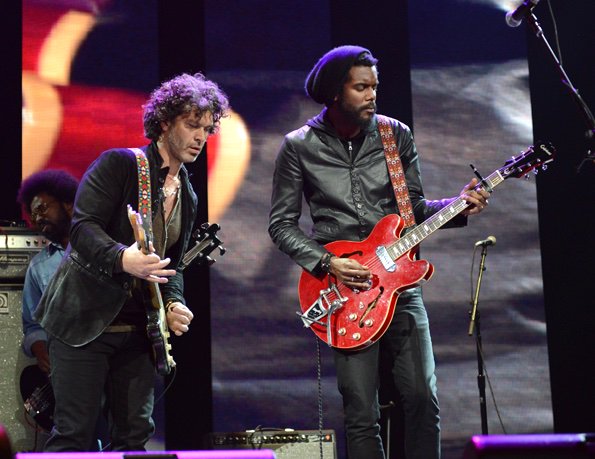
[[287, 444], [17, 247]]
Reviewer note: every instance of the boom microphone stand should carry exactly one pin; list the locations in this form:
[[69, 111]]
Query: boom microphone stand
[[565, 79], [474, 325]]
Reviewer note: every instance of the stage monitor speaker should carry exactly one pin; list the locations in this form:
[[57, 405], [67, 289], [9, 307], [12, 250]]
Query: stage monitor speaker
[[531, 446], [287, 444], [232, 454]]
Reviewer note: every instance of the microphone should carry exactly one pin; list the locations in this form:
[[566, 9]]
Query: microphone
[[514, 18], [490, 240]]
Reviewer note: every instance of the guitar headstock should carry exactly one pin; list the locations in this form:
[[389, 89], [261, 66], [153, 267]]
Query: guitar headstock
[[205, 242], [534, 157]]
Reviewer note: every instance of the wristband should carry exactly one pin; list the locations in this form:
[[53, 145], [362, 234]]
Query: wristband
[[325, 262]]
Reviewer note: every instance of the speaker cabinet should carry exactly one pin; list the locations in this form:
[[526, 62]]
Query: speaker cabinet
[[288, 444], [542, 446], [21, 429], [256, 454], [19, 246]]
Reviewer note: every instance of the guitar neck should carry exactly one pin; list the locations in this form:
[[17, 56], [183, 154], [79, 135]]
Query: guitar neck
[[193, 253], [436, 221]]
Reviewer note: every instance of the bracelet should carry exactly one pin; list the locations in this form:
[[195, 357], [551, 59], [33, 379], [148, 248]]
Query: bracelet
[[169, 305], [325, 262]]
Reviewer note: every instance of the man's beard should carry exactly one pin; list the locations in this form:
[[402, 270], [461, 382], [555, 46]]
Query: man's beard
[[58, 230], [354, 114]]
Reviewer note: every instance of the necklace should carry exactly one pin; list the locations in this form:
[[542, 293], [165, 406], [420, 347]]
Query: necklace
[[169, 192], [172, 188]]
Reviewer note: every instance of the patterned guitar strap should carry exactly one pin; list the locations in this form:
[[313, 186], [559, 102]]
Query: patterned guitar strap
[[395, 170], [144, 183]]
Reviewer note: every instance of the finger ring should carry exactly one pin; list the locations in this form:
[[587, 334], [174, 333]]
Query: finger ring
[[353, 279]]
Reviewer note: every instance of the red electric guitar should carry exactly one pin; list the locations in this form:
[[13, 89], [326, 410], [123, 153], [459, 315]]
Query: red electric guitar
[[351, 320]]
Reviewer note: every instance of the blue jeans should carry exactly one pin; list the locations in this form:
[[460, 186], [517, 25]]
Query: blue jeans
[[118, 365], [410, 346]]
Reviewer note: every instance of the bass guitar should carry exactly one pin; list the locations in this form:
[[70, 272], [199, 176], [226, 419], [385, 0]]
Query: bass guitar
[[349, 319], [157, 329]]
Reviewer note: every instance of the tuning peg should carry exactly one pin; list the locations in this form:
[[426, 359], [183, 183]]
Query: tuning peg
[[222, 250], [544, 167], [535, 171]]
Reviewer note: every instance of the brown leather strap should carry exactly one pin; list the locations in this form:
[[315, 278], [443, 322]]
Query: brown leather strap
[[395, 170]]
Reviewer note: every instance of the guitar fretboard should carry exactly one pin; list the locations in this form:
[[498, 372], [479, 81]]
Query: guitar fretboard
[[436, 221]]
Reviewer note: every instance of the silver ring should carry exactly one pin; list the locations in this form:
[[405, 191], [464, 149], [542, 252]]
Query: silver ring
[[353, 279]]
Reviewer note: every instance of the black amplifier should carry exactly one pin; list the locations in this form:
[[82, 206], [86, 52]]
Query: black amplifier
[[287, 444], [17, 247]]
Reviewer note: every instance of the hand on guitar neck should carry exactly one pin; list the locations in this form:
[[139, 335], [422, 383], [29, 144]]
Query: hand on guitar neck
[[476, 196]]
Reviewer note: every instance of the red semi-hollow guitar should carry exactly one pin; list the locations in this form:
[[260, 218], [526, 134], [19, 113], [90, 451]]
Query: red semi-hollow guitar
[[351, 320]]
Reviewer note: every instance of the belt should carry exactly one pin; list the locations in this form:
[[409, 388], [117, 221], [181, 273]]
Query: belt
[[120, 328]]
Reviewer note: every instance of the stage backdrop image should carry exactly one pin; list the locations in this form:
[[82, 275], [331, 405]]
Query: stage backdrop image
[[88, 70]]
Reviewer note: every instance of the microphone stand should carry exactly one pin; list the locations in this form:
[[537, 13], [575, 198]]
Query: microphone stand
[[584, 109], [474, 324]]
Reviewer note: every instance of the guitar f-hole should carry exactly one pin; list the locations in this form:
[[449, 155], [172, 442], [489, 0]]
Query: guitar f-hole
[[350, 254], [371, 306]]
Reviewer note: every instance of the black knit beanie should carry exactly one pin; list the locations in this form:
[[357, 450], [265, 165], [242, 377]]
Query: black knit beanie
[[323, 82]]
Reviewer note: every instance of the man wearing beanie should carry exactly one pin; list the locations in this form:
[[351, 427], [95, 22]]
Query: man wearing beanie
[[337, 162]]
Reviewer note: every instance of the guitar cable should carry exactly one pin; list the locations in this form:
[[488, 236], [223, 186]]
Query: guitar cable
[[319, 383]]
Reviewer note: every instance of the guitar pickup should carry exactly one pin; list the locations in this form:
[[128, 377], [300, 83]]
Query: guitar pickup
[[385, 259]]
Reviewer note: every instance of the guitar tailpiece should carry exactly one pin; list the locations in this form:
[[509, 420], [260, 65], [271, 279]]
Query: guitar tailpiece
[[308, 321]]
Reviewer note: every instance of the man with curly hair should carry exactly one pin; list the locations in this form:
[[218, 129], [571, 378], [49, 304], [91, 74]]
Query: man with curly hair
[[47, 197], [95, 306]]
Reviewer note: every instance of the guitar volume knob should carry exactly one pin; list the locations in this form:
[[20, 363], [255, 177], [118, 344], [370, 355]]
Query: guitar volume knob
[[369, 322], [341, 331], [352, 317], [356, 336]]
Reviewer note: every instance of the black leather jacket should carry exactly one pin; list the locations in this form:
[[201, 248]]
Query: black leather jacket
[[346, 197], [87, 292]]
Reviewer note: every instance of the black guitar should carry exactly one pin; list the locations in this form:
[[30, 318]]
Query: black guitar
[[157, 329], [38, 396]]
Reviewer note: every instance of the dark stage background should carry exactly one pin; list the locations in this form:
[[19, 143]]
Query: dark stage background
[[454, 72]]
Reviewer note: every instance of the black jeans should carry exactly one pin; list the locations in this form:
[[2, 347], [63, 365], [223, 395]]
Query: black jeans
[[118, 365], [409, 343]]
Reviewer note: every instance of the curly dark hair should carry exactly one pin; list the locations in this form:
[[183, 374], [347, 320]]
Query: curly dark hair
[[180, 95], [57, 183]]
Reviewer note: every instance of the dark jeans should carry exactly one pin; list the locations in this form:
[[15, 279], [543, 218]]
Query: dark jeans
[[409, 343], [117, 364]]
